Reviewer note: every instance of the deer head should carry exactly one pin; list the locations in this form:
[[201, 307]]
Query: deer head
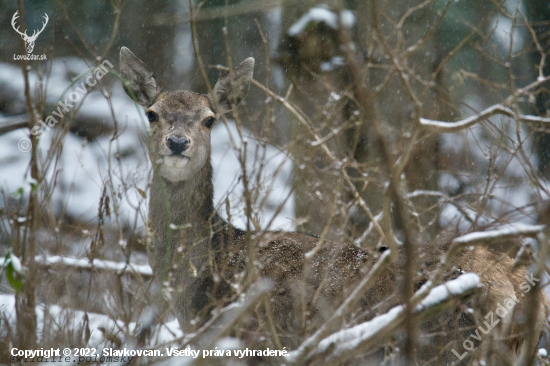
[[181, 121], [29, 41]]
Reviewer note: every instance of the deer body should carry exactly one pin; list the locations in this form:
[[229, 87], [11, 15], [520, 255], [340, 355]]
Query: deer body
[[200, 258], [204, 233]]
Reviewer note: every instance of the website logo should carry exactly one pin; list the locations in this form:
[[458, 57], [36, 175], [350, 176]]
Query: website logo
[[29, 40]]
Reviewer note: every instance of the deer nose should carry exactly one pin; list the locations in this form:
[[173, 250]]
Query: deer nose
[[177, 145]]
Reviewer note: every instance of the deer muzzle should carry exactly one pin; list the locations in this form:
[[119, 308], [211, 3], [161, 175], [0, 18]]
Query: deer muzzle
[[177, 145]]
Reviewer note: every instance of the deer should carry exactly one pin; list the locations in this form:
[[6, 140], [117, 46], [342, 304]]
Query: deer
[[202, 258], [29, 40]]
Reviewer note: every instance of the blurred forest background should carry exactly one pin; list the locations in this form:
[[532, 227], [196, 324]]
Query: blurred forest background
[[322, 166]]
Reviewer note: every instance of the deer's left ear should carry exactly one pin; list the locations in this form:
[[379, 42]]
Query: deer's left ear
[[139, 82], [230, 90]]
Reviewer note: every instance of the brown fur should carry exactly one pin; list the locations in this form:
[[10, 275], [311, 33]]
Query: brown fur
[[204, 259]]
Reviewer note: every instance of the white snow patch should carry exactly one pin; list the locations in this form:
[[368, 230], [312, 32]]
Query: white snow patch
[[183, 42], [448, 183], [64, 319], [230, 343], [503, 33], [265, 164], [274, 18], [322, 15], [335, 62], [460, 285]]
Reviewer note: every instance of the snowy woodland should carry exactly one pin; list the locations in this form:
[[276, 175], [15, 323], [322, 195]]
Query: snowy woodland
[[414, 127]]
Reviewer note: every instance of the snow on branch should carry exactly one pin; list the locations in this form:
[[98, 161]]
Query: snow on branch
[[97, 264], [322, 15], [449, 127], [348, 343], [510, 232]]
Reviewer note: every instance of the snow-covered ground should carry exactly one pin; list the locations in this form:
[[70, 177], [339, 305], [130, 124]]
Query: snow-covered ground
[[52, 319]]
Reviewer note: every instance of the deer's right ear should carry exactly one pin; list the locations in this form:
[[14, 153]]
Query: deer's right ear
[[138, 81], [230, 90]]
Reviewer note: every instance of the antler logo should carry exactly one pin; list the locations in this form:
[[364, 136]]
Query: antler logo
[[29, 41]]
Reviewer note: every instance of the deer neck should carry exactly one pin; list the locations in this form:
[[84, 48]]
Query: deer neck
[[186, 204]]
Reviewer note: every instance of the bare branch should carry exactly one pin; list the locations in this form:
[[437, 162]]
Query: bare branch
[[298, 356], [8, 124], [348, 343], [450, 127]]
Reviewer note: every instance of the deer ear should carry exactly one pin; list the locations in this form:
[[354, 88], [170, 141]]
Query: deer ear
[[138, 81], [230, 90]]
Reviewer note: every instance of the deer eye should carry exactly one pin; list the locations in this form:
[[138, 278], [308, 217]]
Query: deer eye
[[209, 122], [152, 116]]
